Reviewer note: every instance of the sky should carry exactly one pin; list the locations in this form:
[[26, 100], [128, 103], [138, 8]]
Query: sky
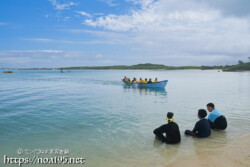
[[66, 33]]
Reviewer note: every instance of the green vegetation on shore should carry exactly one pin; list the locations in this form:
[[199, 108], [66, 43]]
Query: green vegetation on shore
[[241, 66], [36, 68], [211, 67], [146, 66]]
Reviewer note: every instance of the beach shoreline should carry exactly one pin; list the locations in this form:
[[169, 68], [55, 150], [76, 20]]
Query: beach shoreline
[[234, 153]]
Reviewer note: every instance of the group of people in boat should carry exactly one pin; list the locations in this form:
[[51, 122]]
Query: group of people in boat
[[8, 72], [202, 128], [135, 81]]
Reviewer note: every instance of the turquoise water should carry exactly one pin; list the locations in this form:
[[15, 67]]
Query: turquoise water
[[96, 117]]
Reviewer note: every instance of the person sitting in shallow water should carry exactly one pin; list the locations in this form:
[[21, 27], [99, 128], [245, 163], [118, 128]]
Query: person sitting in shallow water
[[202, 127], [215, 118], [155, 80], [171, 129], [150, 81], [146, 80]]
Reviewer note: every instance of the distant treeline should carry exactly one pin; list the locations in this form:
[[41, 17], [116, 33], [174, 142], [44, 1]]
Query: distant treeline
[[148, 66], [239, 67], [211, 67], [36, 68]]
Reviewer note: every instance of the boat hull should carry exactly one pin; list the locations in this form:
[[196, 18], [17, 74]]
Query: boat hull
[[160, 84]]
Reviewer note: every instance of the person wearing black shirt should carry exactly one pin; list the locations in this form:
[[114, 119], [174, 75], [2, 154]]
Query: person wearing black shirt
[[171, 129], [202, 127]]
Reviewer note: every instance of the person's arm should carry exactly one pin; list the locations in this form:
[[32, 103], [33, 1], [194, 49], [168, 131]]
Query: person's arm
[[209, 117], [196, 128], [159, 133]]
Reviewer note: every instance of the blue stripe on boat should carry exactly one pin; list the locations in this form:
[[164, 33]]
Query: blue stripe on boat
[[160, 84]]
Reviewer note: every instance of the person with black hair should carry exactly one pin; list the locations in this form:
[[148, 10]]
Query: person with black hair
[[171, 129], [134, 80], [202, 127], [215, 118]]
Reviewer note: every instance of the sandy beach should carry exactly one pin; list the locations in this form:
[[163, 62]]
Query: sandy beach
[[235, 153]]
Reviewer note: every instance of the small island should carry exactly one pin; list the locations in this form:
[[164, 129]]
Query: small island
[[241, 66], [148, 66]]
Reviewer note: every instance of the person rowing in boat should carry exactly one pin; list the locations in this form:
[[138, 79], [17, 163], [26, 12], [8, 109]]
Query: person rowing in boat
[[155, 80], [171, 129], [150, 81], [134, 81], [146, 80], [141, 81]]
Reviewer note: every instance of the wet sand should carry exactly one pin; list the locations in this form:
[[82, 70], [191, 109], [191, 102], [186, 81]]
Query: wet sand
[[235, 153]]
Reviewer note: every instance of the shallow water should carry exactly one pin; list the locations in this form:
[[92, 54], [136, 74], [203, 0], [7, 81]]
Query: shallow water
[[95, 116]]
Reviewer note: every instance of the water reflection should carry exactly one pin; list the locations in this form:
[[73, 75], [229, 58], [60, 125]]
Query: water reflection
[[146, 91]]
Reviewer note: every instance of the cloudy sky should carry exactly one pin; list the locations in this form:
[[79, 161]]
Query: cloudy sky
[[57, 33]]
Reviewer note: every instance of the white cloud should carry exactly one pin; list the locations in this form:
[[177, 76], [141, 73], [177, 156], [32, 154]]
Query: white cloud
[[98, 33], [99, 14], [49, 58], [38, 39], [154, 16], [63, 6], [143, 3], [66, 18], [181, 29], [110, 2], [94, 42], [84, 14], [35, 51], [2, 23], [99, 56]]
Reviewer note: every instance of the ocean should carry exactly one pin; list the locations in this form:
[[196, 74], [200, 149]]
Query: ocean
[[93, 115]]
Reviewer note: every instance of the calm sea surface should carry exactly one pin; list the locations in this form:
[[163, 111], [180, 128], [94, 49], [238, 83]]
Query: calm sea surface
[[93, 115]]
